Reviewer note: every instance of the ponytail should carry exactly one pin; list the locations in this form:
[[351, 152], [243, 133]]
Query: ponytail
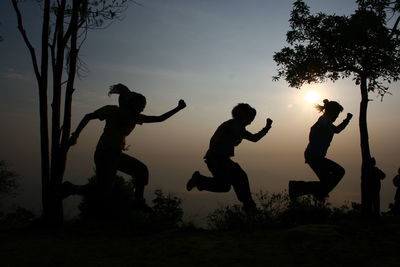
[[329, 106], [322, 108], [119, 89], [127, 98]]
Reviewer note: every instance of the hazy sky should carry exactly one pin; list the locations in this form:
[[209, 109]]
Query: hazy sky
[[213, 54]]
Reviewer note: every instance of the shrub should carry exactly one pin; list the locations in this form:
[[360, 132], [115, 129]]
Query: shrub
[[167, 208], [276, 209], [270, 209], [21, 217], [272, 205], [306, 210], [117, 207], [8, 181]]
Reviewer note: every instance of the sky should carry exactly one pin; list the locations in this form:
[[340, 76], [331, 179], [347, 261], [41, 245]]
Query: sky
[[213, 54]]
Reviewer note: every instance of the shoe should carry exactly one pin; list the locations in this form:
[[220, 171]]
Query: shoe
[[192, 183], [293, 192]]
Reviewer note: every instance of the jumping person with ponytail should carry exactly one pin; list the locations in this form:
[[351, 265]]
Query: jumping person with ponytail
[[109, 158], [328, 171]]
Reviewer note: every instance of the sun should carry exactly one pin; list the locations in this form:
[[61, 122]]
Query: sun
[[312, 97]]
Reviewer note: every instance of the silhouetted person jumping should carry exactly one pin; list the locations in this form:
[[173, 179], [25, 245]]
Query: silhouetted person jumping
[[227, 173], [328, 171], [109, 158]]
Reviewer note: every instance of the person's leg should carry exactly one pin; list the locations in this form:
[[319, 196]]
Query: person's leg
[[106, 166], [366, 197], [221, 180], [397, 201], [240, 183], [329, 173], [140, 175], [376, 202], [106, 169], [300, 188], [100, 192]]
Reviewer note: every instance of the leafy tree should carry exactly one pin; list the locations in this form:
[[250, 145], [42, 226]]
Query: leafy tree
[[65, 24], [362, 46], [390, 9]]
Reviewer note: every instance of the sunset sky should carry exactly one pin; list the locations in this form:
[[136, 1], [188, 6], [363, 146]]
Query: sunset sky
[[213, 54]]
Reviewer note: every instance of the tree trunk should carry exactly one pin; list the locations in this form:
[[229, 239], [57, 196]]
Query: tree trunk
[[365, 151], [60, 136], [44, 134]]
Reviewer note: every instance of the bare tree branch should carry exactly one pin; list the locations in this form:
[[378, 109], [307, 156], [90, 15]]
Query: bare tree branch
[[26, 39]]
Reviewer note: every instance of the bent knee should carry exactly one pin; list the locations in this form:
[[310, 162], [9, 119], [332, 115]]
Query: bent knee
[[341, 173], [224, 188], [141, 176]]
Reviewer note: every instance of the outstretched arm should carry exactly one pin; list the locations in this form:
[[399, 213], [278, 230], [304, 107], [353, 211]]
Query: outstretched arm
[[340, 127], [256, 137], [74, 136], [163, 117]]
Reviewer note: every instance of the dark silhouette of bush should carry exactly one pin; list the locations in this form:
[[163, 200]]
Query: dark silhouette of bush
[[271, 206], [8, 180], [166, 208], [306, 210], [276, 210], [119, 206], [19, 218]]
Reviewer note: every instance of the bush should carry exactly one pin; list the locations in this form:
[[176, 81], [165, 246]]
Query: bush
[[228, 217], [306, 210], [272, 205], [8, 182], [277, 210], [19, 218], [167, 210], [118, 206]]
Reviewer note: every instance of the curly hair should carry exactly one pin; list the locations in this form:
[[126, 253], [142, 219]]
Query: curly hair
[[243, 110]]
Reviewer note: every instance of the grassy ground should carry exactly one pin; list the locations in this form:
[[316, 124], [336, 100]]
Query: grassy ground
[[340, 244]]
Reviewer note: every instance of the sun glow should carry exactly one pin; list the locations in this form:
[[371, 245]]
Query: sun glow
[[312, 97]]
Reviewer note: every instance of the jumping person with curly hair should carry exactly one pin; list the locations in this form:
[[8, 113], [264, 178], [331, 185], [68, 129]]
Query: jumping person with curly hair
[[225, 171]]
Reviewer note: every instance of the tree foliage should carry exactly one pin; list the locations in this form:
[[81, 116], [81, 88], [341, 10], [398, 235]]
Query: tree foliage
[[332, 47]]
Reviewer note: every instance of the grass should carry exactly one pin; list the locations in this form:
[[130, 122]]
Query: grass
[[305, 233], [352, 243]]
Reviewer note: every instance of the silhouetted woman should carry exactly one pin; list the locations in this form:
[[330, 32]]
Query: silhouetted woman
[[226, 172], [328, 171], [395, 207], [120, 122]]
